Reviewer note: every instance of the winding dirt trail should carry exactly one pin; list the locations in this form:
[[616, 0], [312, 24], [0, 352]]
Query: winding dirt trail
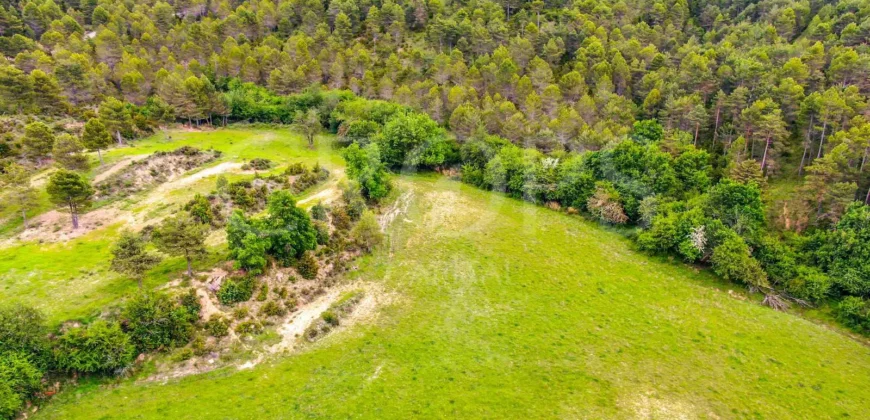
[[117, 167]]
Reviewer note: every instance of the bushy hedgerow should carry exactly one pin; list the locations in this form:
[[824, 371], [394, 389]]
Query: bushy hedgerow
[[854, 312], [23, 330], [97, 347], [156, 321], [20, 380]]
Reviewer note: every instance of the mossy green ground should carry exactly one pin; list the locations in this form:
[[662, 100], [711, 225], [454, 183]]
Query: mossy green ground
[[501, 309], [69, 280]]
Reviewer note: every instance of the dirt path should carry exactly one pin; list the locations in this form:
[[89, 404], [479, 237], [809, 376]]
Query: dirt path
[[158, 193], [398, 208], [117, 167], [329, 193], [296, 326]]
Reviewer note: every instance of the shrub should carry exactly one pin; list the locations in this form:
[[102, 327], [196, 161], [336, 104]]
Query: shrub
[[365, 167], [295, 168], [307, 266], [367, 232], [249, 327], [318, 212], [263, 294], [340, 219], [732, 260], [322, 229], [810, 284], [854, 312], [10, 401], [221, 183], [605, 205], [182, 354], [258, 164], [20, 380], [199, 347], [272, 308], [330, 318], [155, 321], [355, 208], [236, 289], [241, 312], [217, 326], [18, 371], [190, 302], [200, 209], [22, 329], [308, 179], [98, 347], [246, 245]]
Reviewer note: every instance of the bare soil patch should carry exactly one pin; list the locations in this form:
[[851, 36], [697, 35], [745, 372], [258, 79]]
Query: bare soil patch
[[56, 226]]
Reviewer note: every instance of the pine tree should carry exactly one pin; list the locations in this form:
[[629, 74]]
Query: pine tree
[[96, 137]]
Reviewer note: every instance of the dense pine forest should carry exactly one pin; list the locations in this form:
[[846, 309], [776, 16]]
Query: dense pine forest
[[727, 134]]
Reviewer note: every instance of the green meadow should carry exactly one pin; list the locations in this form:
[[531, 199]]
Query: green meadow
[[500, 309]]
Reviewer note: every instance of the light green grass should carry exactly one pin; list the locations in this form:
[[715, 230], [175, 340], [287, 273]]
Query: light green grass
[[500, 309], [237, 144]]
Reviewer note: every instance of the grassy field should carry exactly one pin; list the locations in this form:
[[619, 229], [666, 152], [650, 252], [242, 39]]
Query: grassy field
[[500, 309], [72, 279]]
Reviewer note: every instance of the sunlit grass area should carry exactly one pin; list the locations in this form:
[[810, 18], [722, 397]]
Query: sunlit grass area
[[501, 309]]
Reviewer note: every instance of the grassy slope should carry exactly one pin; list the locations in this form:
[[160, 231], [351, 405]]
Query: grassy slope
[[504, 309], [73, 280]]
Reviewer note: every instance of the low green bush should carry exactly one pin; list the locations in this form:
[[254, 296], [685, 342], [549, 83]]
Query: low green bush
[[156, 321], [272, 308], [98, 347], [236, 289], [217, 326], [307, 266], [854, 312], [249, 327], [20, 380]]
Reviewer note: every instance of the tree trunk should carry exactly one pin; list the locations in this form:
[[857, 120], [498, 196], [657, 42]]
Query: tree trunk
[[118, 136], [73, 216], [867, 200], [189, 267], [806, 146], [716, 127], [100, 154], [697, 127], [24, 218], [863, 159], [822, 141], [764, 158], [803, 159]]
